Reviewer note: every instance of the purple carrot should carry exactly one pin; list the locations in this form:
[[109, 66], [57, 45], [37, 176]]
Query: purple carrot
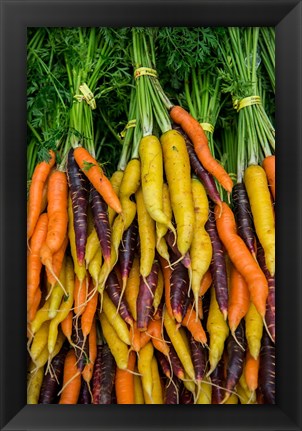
[[199, 355], [217, 377], [218, 265], [84, 397], [99, 210], [177, 367], [267, 369], [205, 177], [53, 381], [243, 216], [81, 348], [179, 288], [127, 250], [270, 303], [145, 297], [171, 392], [236, 356], [163, 363], [78, 186], [185, 396], [103, 376], [169, 237], [114, 291]]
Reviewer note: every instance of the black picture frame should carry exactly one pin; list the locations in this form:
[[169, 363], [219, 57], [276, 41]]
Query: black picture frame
[[16, 16]]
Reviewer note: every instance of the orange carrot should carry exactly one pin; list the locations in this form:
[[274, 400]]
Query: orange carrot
[[66, 326], [71, 380], [166, 270], [205, 283], [124, 382], [80, 296], [98, 179], [92, 345], [135, 337], [239, 299], [155, 330], [268, 165], [57, 262], [199, 139], [90, 309], [241, 257], [34, 264], [144, 338], [57, 197], [194, 325], [35, 305], [39, 177], [251, 371]]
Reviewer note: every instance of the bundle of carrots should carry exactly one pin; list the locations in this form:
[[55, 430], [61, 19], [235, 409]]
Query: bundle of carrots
[[156, 285]]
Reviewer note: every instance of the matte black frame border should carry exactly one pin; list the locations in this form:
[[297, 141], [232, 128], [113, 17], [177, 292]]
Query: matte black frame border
[[16, 16]]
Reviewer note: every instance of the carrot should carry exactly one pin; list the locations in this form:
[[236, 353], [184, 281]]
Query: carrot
[[35, 305], [151, 157], [179, 289], [146, 228], [92, 245], [201, 248], [251, 371], [127, 250], [99, 209], [39, 177], [89, 312], [195, 132], [78, 186], [159, 290], [103, 376], [205, 392], [132, 287], [166, 270], [241, 257], [45, 356], [145, 297], [80, 295], [218, 266], [94, 267], [171, 392], [57, 293], [96, 176], [57, 261], [218, 331], [243, 216], [114, 292], [239, 299], [161, 229], [40, 317], [64, 307], [205, 177], [118, 348], [115, 320], [267, 369], [92, 346], [71, 380], [157, 390], [57, 197], [66, 326], [138, 390], [253, 330], [144, 367], [268, 165], [128, 187], [80, 270], [194, 325], [155, 331], [34, 384], [135, 337], [259, 196], [115, 181], [39, 341], [178, 173], [205, 283], [34, 264], [124, 382], [179, 345]]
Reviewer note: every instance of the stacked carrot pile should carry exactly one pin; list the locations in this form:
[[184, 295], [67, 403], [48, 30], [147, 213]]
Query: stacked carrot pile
[[155, 285]]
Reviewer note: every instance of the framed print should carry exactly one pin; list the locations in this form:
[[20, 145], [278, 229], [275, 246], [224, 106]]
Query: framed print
[[63, 65]]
